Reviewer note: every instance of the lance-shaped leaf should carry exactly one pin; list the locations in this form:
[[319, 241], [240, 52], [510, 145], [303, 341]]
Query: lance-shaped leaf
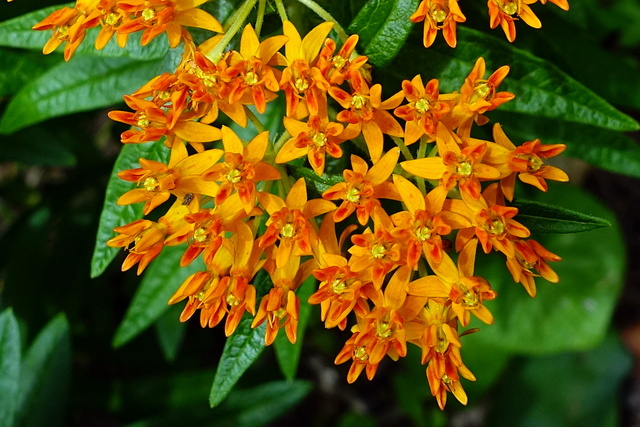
[[9, 366], [541, 88], [83, 84], [114, 215], [240, 351], [19, 68], [160, 281], [543, 218], [383, 27], [45, 375], [17, 33], [320, 182]]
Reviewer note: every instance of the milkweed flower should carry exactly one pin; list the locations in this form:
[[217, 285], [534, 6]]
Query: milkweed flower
[[505, 13], [439, 15]]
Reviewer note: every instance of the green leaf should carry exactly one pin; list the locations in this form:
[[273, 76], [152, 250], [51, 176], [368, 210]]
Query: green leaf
[[320, 182], [17, 33], [543, 218], [288, 354], [84, 84], [161, 279], [45, 376], [240, 351], [603, 148], [570, 315], [541, 88], [19, 68], [170, 332], [383, 27], [114, 215], [567, 390], [9, 366], [37, 145]]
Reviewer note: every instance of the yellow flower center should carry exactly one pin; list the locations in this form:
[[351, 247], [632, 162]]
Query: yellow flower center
[[353, 195], [422, 105], [148, 14], [464, 169], [446, 379], [207, 79], [495, 227], [534, 163], [319, 139], [62, 32], [338, 61], [509, 7], [112, 19], [288, 231], [470, 299], [251, 78], [339, 286], [438, 14], [384, 330], [234, 176], [422, 233], [200, 296], [301, 84], [360, 353], [527, 265], [200, 234], [232, 300], [378, 251], [481, 91], [163, 95], [150, 184], [142, 122], [358, 101], [280, 313]]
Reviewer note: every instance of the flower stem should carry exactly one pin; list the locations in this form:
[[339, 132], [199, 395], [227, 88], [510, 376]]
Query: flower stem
[[243, 12], [254, 120], [262, 4], [403, 148], [327, 17], [281, 11]]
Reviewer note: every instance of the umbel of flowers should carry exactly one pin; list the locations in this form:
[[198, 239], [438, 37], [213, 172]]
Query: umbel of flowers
[[389, 275]]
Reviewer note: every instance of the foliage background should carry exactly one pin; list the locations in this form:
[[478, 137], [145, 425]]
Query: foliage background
[[67, 357]]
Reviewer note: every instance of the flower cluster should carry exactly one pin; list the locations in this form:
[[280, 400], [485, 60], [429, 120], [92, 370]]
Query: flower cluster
[[389, 272], [446, 14]]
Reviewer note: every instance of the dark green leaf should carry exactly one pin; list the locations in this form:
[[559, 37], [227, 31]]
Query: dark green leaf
[[18, 33], [543, 218], [114, 215], [37, 145], [45, 376], [162, 278], [320, 182], [170, 332], [19, 68], [570, 315], [568, 390], [288, 354], [83, 84], [240, 351], [9, 366], [541, 88], [383, 27]]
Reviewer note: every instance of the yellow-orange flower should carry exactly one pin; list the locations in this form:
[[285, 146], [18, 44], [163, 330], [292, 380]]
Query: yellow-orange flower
[[505, 13], [439, 15]]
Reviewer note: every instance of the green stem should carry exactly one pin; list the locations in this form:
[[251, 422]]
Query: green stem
[[403, 148], [327, 17], [262, 4], [281, 11], [280, 142], [254, 119], [242, 14]]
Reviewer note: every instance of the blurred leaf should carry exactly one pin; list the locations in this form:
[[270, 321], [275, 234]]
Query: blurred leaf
[[352, 419], [240, 351], [288, 354], [114, 215], [170, 332], [603, 148], [383, 27], [85, 83], [543, 218], [17, 33], [541, 88], [19, 68], [486, 361], [36, 146], [45, 376], [565, 390], [161, 279], [9, 366], [570, 315]]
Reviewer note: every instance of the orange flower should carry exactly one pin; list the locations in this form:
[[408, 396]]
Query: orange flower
[[455, 166], [315, 139], [504, 13], [301, 79], [250, 73], [527, 161], [531, 255], [439, 15], [159, 16], [562, 4], [289, 222], [365, 111], [362, 187], [242, 168], [424, 110], [340, 67]]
